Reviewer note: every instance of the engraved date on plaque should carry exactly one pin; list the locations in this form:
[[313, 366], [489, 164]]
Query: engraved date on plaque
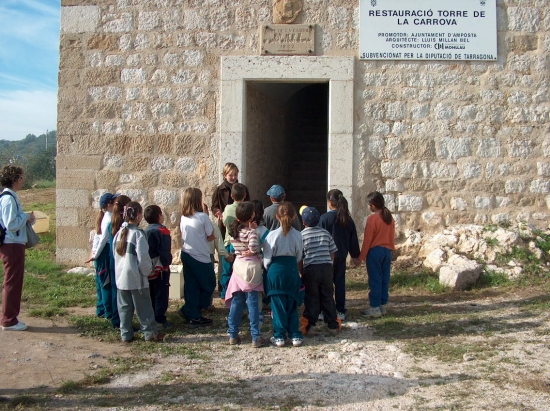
[[287, 39]]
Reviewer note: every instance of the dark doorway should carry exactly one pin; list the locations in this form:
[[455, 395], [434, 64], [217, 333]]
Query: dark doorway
[[287, 141]]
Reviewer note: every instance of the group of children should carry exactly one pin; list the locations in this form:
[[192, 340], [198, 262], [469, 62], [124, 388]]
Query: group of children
[[277, 264]]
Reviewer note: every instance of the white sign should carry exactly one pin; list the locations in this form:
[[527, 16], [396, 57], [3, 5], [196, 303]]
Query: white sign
[[428, 30]]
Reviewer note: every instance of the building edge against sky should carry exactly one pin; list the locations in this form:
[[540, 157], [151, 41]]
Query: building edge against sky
[[156, 96]]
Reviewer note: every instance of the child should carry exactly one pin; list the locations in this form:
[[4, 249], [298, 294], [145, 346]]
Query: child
[[198, 270], [378, 243], [276, 194], [101, 256], [319, 250], [160, 245], [222, 194], [338, 222], [238, 195], [246, 283], [217, 246], [132, 267], [283, 250], [117, 218]]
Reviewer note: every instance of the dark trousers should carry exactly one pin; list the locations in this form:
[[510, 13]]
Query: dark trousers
[[339, 279], [159, 289], [199, 282], [317, 279], [13, 257], [378, 270]]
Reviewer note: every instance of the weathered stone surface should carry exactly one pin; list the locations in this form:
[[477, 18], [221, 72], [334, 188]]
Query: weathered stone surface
[[459, 273]]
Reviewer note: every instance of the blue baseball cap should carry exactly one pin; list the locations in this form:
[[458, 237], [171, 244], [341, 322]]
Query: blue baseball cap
[[311, 216], [276, 191], [106, 198]]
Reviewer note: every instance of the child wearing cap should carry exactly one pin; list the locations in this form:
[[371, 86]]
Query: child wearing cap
[[316, 270], [276, 194], [101, 256]]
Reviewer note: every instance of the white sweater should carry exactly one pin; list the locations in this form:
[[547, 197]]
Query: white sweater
[[132, 268]]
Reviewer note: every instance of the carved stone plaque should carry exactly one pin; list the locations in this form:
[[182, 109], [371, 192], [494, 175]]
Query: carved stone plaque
[[286, 11], [287, 39]]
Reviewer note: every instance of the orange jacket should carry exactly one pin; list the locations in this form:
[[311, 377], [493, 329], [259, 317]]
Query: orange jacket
[[377, 233]]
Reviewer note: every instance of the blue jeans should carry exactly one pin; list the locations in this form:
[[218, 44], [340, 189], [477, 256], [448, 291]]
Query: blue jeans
[[378, 270], [236, 313]]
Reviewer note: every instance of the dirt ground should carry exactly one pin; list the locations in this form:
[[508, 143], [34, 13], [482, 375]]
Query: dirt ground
[[355, 370], [505, 367]]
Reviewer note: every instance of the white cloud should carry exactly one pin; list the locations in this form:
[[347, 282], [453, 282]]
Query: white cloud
[[27, 112]]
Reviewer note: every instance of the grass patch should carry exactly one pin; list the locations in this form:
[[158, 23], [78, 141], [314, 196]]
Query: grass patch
[[44, 184], [425, 280]]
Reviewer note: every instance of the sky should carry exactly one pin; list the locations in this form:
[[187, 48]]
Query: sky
[[29, 59]]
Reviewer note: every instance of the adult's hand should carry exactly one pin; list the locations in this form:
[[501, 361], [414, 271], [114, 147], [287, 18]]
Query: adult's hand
[[32, 217]]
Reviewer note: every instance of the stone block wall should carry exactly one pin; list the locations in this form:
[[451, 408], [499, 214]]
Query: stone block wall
[[447, 142]]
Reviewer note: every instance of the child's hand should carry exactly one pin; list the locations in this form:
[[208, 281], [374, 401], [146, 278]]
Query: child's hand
[[230, 258], [253, 224], [356, 262], [90, 260], [219, 214]]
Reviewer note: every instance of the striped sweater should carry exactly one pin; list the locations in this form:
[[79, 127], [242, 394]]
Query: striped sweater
[[248, 241]]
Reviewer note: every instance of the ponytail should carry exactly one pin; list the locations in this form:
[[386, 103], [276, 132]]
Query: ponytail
[[338, 201], [286, 213], [122, 241], [377, 200], [98, 219]]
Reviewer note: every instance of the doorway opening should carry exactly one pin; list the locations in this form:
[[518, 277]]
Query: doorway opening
[[287, 141]]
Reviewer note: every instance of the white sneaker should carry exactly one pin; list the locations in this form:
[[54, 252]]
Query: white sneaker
[[321, 317], [297, 341], [383, 309], [279, 342], [17, 327], [341, 316], [373, 312]]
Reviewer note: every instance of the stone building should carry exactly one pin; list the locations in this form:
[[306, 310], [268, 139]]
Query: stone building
[[156, 95]]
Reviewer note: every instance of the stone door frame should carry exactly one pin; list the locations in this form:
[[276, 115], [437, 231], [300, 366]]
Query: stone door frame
[[337, 71]]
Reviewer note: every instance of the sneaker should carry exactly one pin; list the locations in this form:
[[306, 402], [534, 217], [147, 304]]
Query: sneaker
[[258, 343], [17, 327], [321, 317], [279, 342], [383, 309], [297, 341], [200, 322], [157, 338], [341, 316], [234, 340], [373, 312]]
